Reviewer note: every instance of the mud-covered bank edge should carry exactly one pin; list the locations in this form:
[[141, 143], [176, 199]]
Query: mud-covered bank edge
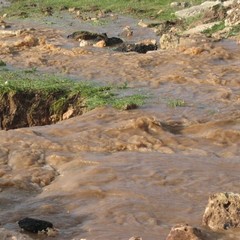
[[30, 98]]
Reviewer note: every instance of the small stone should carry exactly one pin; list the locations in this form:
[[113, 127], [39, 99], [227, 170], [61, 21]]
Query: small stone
[[68, 114], [84, 43], [127, 32], [34, 225], [185, 232], [175, 4], [142, 24], [73, 9], [185, 4], [100, 44]]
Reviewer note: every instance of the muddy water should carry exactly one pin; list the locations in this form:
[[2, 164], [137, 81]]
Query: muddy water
[[113, 175]]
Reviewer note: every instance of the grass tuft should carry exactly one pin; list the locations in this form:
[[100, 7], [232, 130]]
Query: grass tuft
[[176, 103]]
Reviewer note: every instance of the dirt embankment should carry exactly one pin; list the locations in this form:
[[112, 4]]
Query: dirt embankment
[[24, 109]]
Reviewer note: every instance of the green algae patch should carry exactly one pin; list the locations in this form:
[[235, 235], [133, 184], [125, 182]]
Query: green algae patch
[[30, 98]]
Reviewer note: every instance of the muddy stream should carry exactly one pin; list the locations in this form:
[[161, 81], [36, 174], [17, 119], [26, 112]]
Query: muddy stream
[[112, 174]]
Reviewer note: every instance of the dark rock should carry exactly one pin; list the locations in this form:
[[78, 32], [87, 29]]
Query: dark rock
[[34, 225], [95, 37], [222, 211], [185, 232], [141, 47], [83, 35], [113, 41]]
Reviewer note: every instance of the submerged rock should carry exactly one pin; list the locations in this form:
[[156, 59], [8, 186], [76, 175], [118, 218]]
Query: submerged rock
[[99, 40], [113, 41], [185, 232], [126, 32], [83, 35], [34, 225], [140, 47], [222, 211]]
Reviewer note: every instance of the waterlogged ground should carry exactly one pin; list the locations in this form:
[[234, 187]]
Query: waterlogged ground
[[115, 174]]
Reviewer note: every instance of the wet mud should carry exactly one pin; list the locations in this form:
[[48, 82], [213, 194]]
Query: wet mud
[[112, 174]]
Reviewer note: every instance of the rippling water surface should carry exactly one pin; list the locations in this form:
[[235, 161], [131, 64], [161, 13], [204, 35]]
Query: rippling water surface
[[112, 174]]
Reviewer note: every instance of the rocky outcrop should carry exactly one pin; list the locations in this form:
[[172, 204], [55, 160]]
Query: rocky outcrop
[[85, 35], [185, 232], [222, 211], [233, 15], [200, 28], [196, 10]]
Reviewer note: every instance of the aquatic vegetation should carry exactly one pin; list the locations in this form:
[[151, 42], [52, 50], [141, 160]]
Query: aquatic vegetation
[[176, 103]]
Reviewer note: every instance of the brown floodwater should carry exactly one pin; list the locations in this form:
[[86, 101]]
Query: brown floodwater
[[112, 174]]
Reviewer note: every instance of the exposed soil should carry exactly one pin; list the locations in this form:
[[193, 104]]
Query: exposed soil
[[25, 109]]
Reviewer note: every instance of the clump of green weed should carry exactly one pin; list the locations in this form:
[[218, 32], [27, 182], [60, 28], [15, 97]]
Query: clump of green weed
[[2, 63], [176, 103], [235, 30]]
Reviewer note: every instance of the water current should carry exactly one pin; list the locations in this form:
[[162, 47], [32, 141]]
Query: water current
[[112, 174]]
